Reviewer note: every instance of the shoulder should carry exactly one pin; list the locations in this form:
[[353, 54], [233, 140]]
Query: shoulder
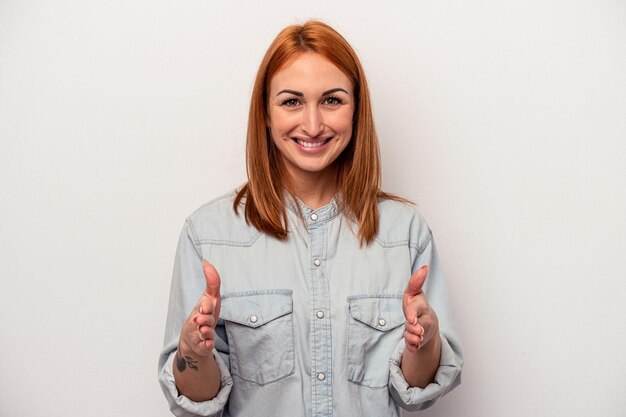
[[216, 222], [401, 224]]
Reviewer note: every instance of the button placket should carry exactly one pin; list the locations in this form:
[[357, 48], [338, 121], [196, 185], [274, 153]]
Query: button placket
[[320, 324]]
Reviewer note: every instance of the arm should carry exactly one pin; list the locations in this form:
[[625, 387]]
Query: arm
[[203, 391], [419, 368], [419, 377], [195, 369], [197, 378], [421, 356]]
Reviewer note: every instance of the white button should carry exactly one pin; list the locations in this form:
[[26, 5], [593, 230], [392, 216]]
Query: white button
[[314, 216], [382, 322], [254, 319], [321, 376], [320, 314], [317, 262]]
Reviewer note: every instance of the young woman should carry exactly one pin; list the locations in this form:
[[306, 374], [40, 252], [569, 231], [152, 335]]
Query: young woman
[[309, 291]]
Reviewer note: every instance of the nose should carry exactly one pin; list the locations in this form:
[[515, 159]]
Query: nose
[[312, 123]]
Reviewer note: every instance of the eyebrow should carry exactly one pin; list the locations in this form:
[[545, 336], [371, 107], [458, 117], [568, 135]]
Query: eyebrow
[[295, 93], [299, 94], [334, 90]]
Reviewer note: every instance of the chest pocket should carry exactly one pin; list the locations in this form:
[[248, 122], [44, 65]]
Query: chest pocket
[[259, 326], [376, 325]]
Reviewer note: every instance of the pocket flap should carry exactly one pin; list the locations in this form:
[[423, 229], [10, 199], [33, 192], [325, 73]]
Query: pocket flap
[[256, 308], [379, 312]]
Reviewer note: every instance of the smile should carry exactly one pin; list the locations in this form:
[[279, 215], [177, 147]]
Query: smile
[[310, 145]]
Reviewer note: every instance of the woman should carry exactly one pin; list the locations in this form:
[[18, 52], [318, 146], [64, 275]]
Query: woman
[[301, 293]]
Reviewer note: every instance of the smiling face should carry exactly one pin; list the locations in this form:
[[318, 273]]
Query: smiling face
[[310, 110]]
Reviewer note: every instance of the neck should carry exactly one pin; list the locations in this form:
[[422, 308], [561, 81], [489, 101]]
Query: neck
[[315, 189]]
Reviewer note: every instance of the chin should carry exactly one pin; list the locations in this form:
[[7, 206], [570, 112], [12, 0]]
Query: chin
[[309, 168], [313, 167]]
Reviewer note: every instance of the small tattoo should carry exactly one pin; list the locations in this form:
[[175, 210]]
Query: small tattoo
[[183, 362], [191, 363]]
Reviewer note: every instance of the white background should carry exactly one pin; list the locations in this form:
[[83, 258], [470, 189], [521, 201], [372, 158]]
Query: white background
[[504, 121]]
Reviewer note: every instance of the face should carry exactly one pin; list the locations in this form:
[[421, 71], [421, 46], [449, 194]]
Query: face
[[310, 108]]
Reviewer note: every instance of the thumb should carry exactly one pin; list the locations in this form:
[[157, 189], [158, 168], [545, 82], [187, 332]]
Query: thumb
[[416, 281], [212, 279]]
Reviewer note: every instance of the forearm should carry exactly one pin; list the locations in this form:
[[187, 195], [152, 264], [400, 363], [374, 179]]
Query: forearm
[[420, 367], [197, 377]]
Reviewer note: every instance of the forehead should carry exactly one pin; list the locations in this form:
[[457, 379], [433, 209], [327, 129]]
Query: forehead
[[310, 71]]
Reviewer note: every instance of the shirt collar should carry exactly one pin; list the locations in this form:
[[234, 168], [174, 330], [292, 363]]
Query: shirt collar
[[313, 217]]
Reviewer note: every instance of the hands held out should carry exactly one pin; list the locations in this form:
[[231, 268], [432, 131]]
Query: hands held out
[[422, 324], [198, 331]]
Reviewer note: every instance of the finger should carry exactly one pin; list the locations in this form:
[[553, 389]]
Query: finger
[[415, 342], [416, 281], [416, 329], [424, 338], [203, 347], [204, 320], [205, 306], [205, 333], [412, 341], [212, 279], [415, 308], [421, 344]]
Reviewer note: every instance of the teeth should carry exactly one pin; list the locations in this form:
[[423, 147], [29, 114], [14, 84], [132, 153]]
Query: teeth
[[310, 144]]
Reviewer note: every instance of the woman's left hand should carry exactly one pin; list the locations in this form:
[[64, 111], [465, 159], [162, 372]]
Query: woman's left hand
[[422, 324]]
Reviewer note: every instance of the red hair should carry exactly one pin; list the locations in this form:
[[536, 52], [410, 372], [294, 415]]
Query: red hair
[[358, 166]]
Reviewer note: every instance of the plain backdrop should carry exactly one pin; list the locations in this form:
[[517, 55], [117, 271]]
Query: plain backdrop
[[504, 121]]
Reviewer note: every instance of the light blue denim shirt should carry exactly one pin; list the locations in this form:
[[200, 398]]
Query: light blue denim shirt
[[313, 325]]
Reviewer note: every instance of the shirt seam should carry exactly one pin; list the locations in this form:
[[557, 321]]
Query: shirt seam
[[194, 236], [226, 242], [425, 243], [396, 243]]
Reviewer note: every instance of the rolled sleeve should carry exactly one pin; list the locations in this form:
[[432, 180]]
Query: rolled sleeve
[[448, 376], [182, 406]]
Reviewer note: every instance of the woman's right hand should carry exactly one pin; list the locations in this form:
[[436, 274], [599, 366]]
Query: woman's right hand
[[197, 335]]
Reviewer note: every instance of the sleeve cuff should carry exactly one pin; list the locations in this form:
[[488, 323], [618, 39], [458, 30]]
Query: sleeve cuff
[[448, 376], [182, 406]]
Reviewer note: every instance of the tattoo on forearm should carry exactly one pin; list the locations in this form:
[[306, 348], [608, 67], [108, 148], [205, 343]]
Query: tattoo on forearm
[[184, 362]]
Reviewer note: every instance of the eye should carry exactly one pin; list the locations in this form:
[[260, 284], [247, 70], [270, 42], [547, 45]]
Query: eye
[[333, 100], [290, 102]]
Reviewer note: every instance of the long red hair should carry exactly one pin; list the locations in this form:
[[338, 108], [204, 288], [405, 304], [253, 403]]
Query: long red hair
[[358, 166]]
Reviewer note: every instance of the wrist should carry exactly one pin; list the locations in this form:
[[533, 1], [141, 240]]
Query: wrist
[[420, 367]]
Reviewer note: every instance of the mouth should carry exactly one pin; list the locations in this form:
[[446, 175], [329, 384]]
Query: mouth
[[312, 143]]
